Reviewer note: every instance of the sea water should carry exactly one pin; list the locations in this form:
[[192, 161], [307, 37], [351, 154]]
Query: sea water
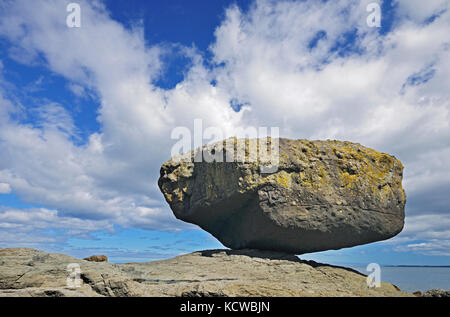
[[414, 278]]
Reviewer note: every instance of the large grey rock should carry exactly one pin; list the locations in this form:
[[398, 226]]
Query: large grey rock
[[28, 272], [324, 195]]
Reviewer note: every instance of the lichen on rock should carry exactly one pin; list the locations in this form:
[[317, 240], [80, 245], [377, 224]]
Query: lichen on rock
[[324, 195]]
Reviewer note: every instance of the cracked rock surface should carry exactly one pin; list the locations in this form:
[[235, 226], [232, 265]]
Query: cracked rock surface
[[29, 272], [324, 195]]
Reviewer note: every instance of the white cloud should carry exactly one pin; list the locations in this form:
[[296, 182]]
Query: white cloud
[[40, 227], [366, 97], [77, 90], [5, 188], [434, 229], [388, 92], [114, 175], [419, 11]]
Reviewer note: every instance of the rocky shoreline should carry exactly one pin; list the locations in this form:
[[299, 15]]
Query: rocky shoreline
[[244, 273]]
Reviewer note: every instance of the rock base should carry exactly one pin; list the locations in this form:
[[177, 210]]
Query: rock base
[[243, 273]]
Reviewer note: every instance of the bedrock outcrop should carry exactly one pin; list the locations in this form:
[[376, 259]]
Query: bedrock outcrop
[[322, 195], [249, 273]]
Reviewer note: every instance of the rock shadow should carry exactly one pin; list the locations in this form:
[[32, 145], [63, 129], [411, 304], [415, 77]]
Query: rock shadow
[[273, 255]]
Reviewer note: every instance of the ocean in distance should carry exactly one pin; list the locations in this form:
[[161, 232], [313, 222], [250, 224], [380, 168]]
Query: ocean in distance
[[413, 278]]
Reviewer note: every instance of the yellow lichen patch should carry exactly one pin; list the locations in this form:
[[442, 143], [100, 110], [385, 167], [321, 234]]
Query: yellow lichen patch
[[305, 180], [323, 177], [322, 173], [347, 179], [284, 155], [284, 179], [374, 168], [248, 180], [179, 194], [383, 191]]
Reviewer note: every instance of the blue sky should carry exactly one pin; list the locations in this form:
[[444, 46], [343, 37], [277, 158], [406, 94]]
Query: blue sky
[[86, 113]]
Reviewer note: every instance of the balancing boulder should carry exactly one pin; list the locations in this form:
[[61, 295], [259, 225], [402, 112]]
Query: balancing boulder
[[324, 195]]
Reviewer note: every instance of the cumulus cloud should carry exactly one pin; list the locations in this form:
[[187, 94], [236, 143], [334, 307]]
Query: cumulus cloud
[[387, 91], [40, 226], [114, 175], [425, 234], [313, 68]]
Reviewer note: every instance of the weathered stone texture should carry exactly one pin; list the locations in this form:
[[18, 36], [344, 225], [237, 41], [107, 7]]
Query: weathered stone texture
[[324, 195], [28, 272]]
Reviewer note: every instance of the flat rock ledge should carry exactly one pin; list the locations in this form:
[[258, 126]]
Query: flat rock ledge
[[243, 273]]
